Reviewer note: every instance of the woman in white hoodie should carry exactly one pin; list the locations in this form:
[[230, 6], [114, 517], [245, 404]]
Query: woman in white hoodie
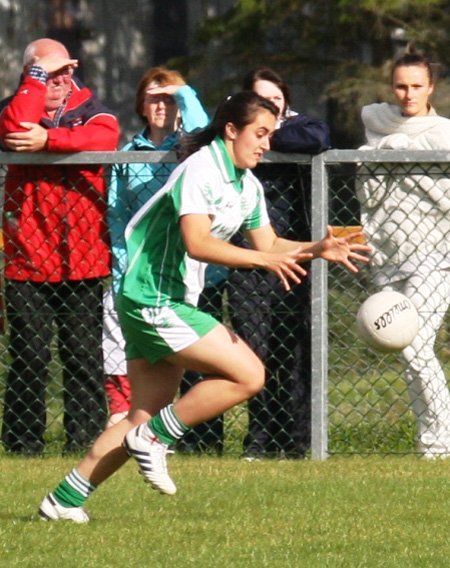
[[405, 212]]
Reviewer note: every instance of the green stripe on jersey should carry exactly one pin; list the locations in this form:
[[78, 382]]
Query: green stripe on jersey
[[207, 183], [156, 252]]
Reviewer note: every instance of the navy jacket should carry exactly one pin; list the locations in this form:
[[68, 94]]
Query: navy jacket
[[288, 185]]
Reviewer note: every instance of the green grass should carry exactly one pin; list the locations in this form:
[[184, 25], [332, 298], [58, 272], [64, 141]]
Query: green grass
[[346, 512], [342, 513]]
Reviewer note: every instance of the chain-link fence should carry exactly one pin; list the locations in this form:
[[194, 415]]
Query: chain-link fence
[[388, 403], [324, 388]]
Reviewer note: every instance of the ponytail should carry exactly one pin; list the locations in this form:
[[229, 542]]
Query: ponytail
[[240, 109]]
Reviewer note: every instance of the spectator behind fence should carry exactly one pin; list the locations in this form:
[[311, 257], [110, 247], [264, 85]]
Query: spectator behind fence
[[405, 213], [169, 241], [167, 107], [56, 250], [277, 323]]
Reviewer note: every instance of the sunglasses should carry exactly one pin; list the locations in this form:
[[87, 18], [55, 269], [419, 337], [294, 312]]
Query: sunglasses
[[155, 99]]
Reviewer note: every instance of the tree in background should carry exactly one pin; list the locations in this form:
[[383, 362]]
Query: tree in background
[[347, 47], [335, 54]]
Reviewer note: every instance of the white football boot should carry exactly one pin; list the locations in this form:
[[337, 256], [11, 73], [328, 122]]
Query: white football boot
[[51, 510], [150, 453]]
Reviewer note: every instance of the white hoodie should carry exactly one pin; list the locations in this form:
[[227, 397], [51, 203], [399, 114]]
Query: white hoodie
[[405, 208]]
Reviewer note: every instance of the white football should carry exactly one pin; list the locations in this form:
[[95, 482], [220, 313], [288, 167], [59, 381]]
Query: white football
[[387, 321]]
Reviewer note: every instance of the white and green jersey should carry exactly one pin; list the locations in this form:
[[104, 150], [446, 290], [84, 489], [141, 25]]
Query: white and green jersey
[[159, 270]]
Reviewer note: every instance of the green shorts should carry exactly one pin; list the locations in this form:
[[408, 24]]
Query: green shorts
[[155, 333]]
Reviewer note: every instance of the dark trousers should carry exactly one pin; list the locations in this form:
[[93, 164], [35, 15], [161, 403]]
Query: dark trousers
[[208, 435], [32, 310], [277, 325]]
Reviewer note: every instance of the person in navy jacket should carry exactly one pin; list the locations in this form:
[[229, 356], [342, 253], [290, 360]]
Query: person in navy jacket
[[276, 323]]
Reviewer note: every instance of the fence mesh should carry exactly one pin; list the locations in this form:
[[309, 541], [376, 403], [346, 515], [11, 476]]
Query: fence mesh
[[384, 403], [52, 363], [56, 256]]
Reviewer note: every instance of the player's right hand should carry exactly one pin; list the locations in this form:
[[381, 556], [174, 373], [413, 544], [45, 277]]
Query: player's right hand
[[286, 266]]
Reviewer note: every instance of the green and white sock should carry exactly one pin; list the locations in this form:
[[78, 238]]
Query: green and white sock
[[167, 426], [73, 490]]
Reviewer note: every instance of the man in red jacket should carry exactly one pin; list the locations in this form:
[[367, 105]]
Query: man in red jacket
[[56, 250]]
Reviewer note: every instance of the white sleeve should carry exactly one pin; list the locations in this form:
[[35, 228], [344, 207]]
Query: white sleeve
[[198, 190]]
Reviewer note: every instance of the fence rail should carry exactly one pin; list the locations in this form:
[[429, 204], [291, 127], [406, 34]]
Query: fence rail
[[374, 400]]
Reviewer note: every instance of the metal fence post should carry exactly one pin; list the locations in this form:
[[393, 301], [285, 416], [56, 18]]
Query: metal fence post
[[319, 327]]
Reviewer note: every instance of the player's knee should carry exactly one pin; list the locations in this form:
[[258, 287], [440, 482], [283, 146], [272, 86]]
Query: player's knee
[[248, 374], [256, 380]]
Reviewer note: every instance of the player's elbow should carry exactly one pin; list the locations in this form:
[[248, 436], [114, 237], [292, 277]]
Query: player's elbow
[[195, 250]]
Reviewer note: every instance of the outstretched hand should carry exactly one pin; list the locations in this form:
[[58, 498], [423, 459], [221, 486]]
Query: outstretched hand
[[342, 249], [286, 266]]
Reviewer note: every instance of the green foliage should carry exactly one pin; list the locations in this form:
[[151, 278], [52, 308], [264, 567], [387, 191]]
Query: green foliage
[[350, 43], [272, 26]]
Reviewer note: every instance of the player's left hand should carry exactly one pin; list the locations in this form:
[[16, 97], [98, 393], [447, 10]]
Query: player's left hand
[[342, 249], [32, 139]]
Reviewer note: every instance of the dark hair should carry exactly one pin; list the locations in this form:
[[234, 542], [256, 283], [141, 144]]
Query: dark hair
[[267, 74], [413, 58], [239, 109]]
